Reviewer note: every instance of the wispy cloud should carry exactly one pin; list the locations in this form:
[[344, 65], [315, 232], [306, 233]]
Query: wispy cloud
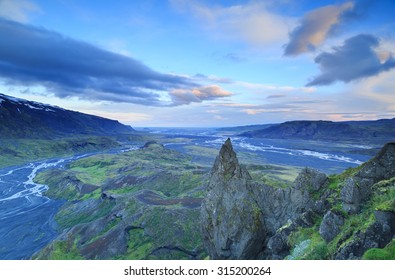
[[66, 67], [186, 96], [252, 22], [18, 10], [355, 59], [315, 27]]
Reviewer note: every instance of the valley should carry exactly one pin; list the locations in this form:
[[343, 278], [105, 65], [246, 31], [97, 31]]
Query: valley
[[139, 193]]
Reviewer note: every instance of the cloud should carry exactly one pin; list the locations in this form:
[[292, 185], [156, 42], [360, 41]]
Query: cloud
[[66, 67], [18, 10], [212, 79], [276, 96], [186, 96], [315, 27], [355, 59], [252, 23]]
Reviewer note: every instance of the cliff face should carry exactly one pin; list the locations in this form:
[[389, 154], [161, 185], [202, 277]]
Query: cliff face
[[359, 187], [242, 219]]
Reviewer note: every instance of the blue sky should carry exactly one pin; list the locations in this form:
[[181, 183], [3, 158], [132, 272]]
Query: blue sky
[[202, 63]]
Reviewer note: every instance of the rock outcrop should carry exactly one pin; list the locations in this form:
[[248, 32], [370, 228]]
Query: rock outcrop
[[231, 221], [377, 235], [280, 205], [237, 214], [331, 225], [358, 188], [242, 219]]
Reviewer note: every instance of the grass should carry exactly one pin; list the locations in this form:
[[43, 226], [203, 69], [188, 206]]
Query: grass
[[139, 245], [387, 253], [63, 251], [308, 244], [60, 183], [70, 214]]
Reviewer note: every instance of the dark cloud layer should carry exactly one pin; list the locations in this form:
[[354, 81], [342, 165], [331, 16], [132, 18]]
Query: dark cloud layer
[[354, 60], [66, 67]]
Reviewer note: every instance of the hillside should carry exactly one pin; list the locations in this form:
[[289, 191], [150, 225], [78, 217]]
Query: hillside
[[21, 118], [155, 203], [380, 131], [30, 131]]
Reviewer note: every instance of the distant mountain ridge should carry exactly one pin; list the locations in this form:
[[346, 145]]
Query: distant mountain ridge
[[380, 130], [20, 118]]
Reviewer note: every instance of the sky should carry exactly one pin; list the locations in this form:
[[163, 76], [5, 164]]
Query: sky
[[201, 63]]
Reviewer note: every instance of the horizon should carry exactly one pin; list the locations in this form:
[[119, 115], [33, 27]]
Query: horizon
[[181, 63], [202, 127]]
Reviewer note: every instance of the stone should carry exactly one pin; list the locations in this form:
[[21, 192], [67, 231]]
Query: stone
[[310, 179], [331, 226], [358, 188], [350, 196]]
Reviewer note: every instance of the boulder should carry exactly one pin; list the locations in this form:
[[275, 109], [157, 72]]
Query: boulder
[[331, 226], [351, 196]]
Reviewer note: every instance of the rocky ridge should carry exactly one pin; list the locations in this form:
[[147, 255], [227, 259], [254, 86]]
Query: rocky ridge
[[242, 219]]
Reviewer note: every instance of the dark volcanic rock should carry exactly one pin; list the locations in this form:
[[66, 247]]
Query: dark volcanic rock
[[277, 245], [359, 188], [237, 215], [231, 221], [281, 205], [331, 225], [351, 196], [377, 235]]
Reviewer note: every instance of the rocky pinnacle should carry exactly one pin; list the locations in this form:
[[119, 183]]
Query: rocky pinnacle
[[231, 221]]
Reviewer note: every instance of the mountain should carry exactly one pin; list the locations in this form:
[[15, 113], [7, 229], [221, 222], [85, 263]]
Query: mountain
[[21, 118], [379, 131], [30, 131], [241, 129]]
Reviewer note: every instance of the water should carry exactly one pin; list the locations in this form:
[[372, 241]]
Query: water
[[27, 217], [324, 156]]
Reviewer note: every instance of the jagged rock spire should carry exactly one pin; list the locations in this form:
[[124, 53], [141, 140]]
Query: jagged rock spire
[[227, 165], [231, 221]]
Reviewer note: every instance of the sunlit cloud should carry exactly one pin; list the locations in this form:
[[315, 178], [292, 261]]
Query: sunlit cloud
[[315, 27], [186, 96]]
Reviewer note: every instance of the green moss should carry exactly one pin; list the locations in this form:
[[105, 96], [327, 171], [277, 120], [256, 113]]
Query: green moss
[[70, 215], [387, 253], [92, 195], [139, 245], [384, 198], [62, 250], [59, 183], [315, 249], [113, 223]]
